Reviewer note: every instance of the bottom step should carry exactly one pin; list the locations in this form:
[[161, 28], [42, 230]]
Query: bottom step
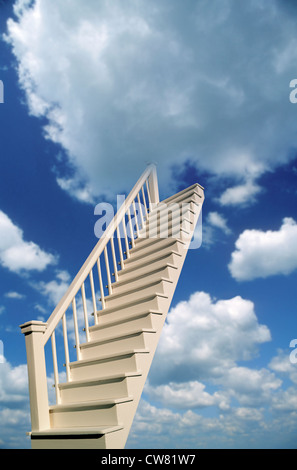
[[102, 437]]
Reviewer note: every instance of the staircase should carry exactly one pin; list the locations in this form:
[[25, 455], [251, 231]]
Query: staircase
[[98, 392]]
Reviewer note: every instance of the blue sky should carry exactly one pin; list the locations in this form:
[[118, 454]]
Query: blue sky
[[92, 93]]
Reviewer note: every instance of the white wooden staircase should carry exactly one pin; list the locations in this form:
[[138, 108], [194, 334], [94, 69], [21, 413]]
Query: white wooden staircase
[[96, 403]]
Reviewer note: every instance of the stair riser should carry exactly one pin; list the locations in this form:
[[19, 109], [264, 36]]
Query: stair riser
[[148, 321], [96, 369], [156, 303], [72, 443], [140, 341], [162, 287], [140, 281], [92, 417], [109, 389]]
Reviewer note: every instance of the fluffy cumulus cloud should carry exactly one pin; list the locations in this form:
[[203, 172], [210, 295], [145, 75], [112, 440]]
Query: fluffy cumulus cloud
[[123, 84], [204, 337], [259, 254], [17, 254], [14, 406], [201, 364]]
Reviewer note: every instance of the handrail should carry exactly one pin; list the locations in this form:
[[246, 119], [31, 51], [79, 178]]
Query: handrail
[[67, 299]]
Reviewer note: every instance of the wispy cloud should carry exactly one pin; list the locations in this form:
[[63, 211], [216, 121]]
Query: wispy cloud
[[14, 295]]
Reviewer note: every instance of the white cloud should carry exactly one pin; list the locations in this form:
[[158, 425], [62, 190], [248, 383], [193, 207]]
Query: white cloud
[[182, 395], [214, 224], [76, 190], [16, 254], [259, 254], [14, 295], [217, 220], [282, 365], [55, 289], [243, 194], [203, 338], [123, 84], [251, 387], [198, 365]]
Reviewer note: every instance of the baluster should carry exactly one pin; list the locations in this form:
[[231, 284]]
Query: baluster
[[126, 238], [83, 294], [144, 202], [76, 329], [148, 195], [120, 249], [140, 210], [107, 270], [136, 221], [93, 296], [114, 259], [66, 347], [131, 229], [55, 363], [101, 284]]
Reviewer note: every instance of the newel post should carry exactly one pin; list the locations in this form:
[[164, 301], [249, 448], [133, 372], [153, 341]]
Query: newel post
[[34, 331], [153, 185]]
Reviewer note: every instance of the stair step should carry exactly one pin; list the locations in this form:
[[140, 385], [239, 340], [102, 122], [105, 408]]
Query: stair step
[[133, 280], [146, 242], [77, 431], [165, 226], [173, 207], [143, 319], [148, 257], [138, 303], [194, 189], [88, 413], [108, 386], [140, 251], [125, 361], [117, 343], [148, 287], [168, 257]]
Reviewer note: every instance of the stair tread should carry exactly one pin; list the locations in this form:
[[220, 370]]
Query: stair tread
[[146, 242], [130, 303], [106, 357], [137, 265], [103, 378], [124, 281], [89, 404], [140, 245], [135, 289], [104, 429], [127, 318], [117, 336]]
